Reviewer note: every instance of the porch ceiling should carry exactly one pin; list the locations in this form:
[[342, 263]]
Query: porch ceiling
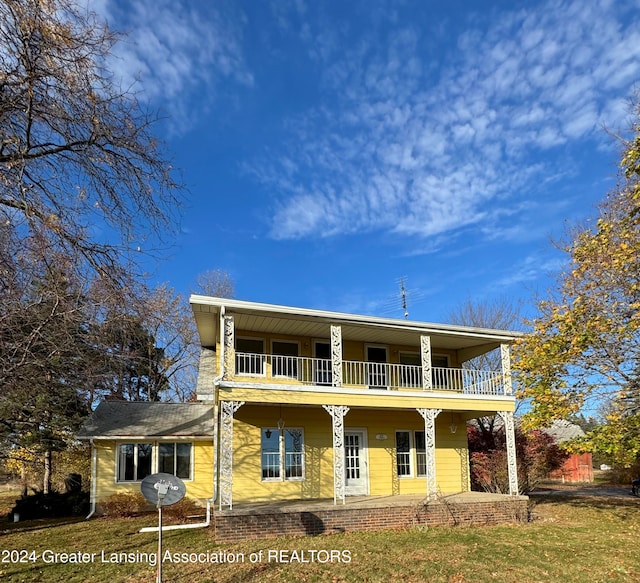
[[283, 320]]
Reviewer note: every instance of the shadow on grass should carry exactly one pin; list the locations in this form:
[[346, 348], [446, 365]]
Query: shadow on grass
[[38, 524], [581, 500]]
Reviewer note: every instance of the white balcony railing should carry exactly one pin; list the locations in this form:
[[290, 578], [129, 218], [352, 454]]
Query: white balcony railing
[[372, 375]]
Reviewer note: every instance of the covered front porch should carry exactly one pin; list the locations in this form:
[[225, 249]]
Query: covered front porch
[[365, 513], [272, 453]]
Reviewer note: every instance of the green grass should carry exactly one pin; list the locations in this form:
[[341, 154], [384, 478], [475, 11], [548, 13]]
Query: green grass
[[570, 540]]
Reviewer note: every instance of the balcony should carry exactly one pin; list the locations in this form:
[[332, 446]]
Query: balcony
[[369, 375]]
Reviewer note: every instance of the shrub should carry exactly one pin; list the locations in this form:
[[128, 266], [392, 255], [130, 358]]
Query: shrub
[[181, 511], [52, 505], [537, 455], [124, 505]]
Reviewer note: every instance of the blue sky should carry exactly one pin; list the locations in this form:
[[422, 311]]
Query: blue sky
[[330, 148]]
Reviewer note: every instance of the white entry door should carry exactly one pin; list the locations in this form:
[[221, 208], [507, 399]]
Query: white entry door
[[355, 463]]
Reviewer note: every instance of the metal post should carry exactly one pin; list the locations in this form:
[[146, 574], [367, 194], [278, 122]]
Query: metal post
[[162, 491], [159, 580]]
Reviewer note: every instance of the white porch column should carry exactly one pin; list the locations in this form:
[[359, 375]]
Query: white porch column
[[505, 361], [229, 350], [425, 357], [228, 408], [337, 413], [512, 465], [336, 355], [429, 416]]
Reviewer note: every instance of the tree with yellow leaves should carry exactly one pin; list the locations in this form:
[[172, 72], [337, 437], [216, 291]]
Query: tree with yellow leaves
[[585, 341]]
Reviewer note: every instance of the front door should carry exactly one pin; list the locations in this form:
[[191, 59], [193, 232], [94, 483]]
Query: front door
[[355, 464]]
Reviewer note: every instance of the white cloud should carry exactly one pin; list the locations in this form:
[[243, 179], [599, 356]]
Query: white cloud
[[175, 53], [410, 152], [530, 269]]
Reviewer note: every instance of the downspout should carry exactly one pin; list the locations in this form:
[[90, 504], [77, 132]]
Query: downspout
[[94, 467], [216, 383]]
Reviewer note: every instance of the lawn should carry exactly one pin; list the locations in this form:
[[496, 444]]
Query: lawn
[[569, 539]]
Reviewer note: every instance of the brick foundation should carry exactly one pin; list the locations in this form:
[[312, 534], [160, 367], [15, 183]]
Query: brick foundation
[[231, 526]]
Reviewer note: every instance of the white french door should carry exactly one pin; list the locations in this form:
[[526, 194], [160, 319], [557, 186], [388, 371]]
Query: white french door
[[355, 463]]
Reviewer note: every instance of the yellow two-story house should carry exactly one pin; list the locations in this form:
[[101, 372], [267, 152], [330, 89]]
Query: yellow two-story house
[[312, 404]]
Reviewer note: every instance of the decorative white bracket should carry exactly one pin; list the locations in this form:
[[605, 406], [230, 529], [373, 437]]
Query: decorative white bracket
[[429, 416], [337, 413], [512, 464], [228, 408]]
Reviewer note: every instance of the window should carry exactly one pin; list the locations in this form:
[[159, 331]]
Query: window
[[421, 454], [439, 374], [270, 454], [134, 461], [293, 454], [175, 458], [403, 453], [322, 369], [284, 359], [377, 367], [282, 454], [250, 356], [411, 374]]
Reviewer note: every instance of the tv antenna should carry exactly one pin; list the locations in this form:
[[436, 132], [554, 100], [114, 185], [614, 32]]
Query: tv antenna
[[403, 298], [406, 296]]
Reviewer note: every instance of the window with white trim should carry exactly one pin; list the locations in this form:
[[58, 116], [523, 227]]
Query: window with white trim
[[284, 358], [175, 458], [411, 373], [282, 453], [250, 356], [439, 374], [134, 461], [421, 453], [403, 453]]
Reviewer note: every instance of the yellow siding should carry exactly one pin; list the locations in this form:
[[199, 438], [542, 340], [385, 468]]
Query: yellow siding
[[201, 487], [368, 398], [247, 463], [451, 453]]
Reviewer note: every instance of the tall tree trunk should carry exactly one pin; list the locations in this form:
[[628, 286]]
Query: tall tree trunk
[[24, 480], [46, 481]]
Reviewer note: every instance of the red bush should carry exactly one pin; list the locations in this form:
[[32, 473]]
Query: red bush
[[537, 455]]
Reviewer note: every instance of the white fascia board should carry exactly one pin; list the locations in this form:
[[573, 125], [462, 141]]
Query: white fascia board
[[410, 326]]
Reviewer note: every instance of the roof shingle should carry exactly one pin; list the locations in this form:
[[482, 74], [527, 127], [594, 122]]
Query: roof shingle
[[142, 419]]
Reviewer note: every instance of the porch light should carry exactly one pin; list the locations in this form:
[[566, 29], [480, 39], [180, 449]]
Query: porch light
[[281, 420], [453, 427]]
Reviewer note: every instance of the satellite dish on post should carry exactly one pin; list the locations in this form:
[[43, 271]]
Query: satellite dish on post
[[162, 490]]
